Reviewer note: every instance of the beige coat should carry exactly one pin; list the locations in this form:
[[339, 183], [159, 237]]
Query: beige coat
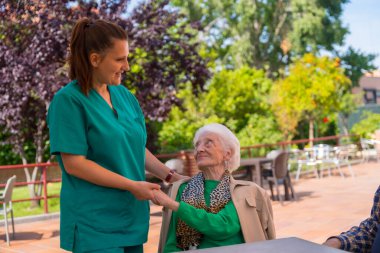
[[253, 207]]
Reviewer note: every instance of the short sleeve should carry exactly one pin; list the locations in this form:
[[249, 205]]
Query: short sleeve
[[67, 128]]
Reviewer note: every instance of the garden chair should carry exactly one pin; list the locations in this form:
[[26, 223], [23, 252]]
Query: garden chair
[[280, 175], [369, 150], [6, 199]]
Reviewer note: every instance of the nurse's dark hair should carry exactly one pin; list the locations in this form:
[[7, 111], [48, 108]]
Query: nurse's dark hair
[[90, 36]]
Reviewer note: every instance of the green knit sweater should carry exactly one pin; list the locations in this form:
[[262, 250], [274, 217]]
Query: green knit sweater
[[219, 229]]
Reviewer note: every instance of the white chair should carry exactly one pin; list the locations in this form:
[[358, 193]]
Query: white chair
[[6, 198], [308, 158], [175, 164], [369, 149], [338, 156]]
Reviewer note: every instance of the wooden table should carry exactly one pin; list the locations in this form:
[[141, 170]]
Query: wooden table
[[254, 164], [284, 245]]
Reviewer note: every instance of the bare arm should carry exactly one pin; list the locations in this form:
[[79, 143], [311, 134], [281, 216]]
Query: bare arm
[[79, 166], [157, 168]]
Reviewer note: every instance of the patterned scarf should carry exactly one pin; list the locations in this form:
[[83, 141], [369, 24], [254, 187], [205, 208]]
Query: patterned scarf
[[193, 194]]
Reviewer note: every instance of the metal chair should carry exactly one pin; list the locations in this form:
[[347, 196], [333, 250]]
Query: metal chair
[[6, 199]]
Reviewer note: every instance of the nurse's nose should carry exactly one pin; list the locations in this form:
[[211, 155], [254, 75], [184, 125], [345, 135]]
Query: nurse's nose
[[126, 66]]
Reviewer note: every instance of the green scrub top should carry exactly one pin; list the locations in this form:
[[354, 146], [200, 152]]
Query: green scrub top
[[100, 217], [220, 229]]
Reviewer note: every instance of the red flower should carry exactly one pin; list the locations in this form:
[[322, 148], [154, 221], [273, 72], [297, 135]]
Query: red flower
[[325, 120]]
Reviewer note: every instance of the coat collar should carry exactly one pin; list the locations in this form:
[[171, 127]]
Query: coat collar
[[235, 182]]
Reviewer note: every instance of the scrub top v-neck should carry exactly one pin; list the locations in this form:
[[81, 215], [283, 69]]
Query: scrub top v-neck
[[114, 138]]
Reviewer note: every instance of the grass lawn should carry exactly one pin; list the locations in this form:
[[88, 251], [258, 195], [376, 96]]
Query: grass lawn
[[23, 208]]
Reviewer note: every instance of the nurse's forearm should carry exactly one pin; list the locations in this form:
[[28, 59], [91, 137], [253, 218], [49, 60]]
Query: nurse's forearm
[[157, 168], [92, 172]]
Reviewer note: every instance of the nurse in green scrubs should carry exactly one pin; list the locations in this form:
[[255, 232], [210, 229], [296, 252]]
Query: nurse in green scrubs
[[97, 131]]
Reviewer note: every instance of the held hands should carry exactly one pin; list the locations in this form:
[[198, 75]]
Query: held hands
[[161, 199], [144, 190]]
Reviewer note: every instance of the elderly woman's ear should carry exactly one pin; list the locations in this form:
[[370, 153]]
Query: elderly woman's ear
[[227, 155], [227, 159]]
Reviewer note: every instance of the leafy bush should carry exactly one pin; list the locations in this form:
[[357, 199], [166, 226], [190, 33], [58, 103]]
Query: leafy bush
[[367, 126], [236, 98]]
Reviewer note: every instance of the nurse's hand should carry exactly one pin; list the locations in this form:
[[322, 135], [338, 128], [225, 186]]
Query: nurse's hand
[[144, 190]]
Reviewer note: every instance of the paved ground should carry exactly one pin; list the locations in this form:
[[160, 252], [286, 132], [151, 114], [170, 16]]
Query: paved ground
[[324, 207]]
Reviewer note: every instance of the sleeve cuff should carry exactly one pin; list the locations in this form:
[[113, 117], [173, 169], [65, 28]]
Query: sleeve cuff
[[344, 243], [183, 209]]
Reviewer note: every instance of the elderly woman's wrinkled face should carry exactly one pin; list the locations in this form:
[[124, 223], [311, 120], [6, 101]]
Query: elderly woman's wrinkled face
[[209, 151]]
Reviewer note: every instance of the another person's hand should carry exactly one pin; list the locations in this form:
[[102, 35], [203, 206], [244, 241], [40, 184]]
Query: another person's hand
[[333, 242], [144, 190], [161, 199]]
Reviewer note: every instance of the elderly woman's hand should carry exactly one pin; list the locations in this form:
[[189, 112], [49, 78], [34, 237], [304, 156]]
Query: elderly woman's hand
[[161, 199]]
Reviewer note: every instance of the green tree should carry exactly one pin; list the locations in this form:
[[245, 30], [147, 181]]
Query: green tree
[[312, 90], [236, 98], [369, 123], [266, 34], [356, 63]]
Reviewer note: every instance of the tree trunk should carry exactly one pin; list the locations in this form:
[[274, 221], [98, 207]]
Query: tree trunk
[[39, 142], [35, 190], [29, 178], [311, 132], [344, 120]]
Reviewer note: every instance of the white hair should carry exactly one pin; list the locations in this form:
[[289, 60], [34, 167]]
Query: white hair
[[228, 140]]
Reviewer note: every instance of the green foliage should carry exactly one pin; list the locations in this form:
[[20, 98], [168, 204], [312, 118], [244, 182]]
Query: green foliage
[[236, 98], [313, 89], [7, 156], [356, 63], [266, 34], [235, 95], [367, 126], [260, 129], [178, 131]]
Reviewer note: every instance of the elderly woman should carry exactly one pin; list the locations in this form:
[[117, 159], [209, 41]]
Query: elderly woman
[[212, 209]]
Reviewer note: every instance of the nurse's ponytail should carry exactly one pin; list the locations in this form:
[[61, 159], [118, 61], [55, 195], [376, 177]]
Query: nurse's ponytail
[[87, 37]]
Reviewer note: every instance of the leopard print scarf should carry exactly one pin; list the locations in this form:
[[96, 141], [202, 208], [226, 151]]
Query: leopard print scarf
[[193, 194]]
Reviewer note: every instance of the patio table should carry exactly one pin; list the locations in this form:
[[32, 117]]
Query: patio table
[[284, 245], [254, 164]]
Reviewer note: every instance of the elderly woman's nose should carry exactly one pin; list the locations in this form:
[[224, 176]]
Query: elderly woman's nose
[[200, 147]]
